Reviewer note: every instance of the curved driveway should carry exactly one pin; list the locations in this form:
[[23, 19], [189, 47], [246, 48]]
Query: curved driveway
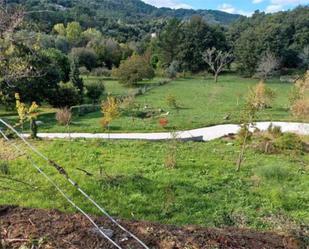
[[202, 134]]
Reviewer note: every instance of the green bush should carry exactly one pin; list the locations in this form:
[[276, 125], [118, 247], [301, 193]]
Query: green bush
[[171, 101], [289, 141], [66, 95], [101, 71], [133, 70], [94, 91]]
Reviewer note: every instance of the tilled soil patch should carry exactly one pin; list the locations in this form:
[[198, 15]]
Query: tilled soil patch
[[36, 228]]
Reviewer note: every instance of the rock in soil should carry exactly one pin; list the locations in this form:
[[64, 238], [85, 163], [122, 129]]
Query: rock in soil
[[49, 229]]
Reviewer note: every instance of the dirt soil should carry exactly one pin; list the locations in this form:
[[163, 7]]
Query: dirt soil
[[36, 228]]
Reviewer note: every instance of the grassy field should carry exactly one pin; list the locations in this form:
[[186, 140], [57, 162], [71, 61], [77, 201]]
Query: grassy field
[[202, 103], [131, 181]]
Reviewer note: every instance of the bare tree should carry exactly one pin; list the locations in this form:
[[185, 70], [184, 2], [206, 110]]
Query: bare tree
[[216, 60], [267, 65]]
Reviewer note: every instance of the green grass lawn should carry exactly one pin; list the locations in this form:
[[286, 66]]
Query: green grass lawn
[[202, 102], [131, 181], [114, 88]]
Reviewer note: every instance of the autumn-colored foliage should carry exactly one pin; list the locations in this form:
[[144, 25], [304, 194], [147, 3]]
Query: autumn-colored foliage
[[300, 100], [261, 96], [27, 114], [110, 110], [163, 122]]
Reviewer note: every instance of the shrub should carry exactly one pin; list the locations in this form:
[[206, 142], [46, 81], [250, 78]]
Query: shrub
[[172, 70], [64, 116], [128, 102], [264, 145], [94, 91], [289, 141], [101, 71], [294, 95], [66, 95], [110, 110], [133, 70], [171, 101], [84, 71], [275, 131], [261, 96], [163, 122], [300, 108]]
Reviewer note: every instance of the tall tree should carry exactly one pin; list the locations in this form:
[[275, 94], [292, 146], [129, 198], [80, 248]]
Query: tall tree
[[169, 41], [284, 34], [75, 78], [73, 32], [199, 36]]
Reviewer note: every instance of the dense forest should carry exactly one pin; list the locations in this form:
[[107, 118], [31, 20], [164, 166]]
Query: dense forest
[[58, 42], [121, 19]]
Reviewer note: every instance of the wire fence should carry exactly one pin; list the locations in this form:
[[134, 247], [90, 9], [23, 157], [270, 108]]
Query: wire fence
[[65, 174]]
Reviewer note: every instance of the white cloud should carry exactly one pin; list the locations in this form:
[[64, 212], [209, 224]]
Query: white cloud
[[274, 8], [227, 8], [257, 1], [232, 10], [286, 2], [279, 5], [168, 3]]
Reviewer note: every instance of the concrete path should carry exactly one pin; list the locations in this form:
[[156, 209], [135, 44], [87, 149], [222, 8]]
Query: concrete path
[[202, 134]]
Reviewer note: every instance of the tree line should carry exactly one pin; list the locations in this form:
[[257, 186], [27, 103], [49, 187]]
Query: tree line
[[46, 66]]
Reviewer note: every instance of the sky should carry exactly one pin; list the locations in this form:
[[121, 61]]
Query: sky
[[244, 7]]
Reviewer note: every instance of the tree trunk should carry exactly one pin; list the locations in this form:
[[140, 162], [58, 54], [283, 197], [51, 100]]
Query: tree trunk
[[242, 152], [33, 128], [216, 77]]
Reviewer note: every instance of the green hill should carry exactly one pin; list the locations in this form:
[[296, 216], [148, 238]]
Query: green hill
[[102, 13]]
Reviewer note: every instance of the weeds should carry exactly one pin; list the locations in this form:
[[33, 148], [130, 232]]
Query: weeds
[[4, 168], [64, 116]]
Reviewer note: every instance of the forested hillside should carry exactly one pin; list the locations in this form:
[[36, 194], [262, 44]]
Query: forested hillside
[[110, 16]]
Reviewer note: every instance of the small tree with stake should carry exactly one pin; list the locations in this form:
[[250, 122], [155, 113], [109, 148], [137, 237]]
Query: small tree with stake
[[258, 99], [110, 110], [27, 113], [217, 60]]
